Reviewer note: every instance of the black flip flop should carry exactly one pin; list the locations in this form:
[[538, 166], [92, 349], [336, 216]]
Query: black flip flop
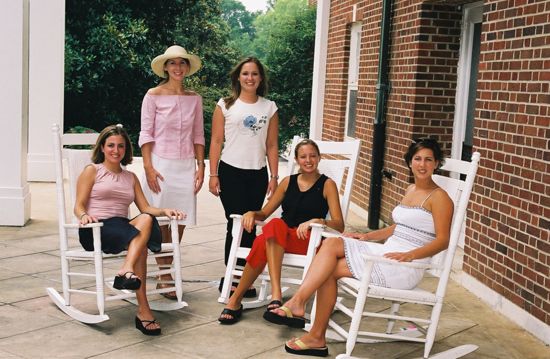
[[273, 303], [131, 282], [288, 319], [236, 314], [306, 350], [250, 292]]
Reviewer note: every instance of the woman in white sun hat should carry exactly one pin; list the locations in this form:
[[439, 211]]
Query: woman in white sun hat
[[172, 142]]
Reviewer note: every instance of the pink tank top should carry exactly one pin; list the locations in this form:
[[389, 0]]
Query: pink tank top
[[111, 194]]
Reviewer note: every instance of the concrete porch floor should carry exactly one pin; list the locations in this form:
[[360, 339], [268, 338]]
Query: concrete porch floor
[[33, 327]]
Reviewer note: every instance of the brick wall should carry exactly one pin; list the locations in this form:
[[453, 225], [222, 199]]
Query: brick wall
[[424, 53], [507, 244], [507, 239]]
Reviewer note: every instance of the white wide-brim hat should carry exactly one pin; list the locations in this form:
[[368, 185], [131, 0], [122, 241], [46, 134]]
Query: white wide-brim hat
[[175, 51]]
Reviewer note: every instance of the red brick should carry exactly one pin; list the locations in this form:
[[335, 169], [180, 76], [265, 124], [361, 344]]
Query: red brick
[[511, 126]]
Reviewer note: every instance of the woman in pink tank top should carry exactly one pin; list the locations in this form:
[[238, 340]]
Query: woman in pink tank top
[[104, 192]]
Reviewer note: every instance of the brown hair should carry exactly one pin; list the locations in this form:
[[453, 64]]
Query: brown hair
[[428, 143], [114, 130], [236, 85]]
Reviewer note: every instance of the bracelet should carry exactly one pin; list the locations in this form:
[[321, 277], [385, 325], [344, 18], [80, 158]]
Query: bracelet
[[82, 215], [275, 176], [200, 162], [214, 175]]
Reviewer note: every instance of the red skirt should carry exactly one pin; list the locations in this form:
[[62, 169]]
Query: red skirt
[[277, 230]]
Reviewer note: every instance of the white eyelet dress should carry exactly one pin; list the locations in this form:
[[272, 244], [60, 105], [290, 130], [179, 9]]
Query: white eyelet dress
[[414, 229]]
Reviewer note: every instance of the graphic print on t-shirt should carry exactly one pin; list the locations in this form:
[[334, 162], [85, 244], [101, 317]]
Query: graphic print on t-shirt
[[251, 125]]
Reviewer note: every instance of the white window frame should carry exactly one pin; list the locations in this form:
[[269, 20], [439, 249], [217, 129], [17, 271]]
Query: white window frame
[[473, 14], [353, 71]]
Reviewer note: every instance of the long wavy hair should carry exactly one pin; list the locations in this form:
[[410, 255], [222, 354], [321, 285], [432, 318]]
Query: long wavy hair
[[98, 156], [236, 85]]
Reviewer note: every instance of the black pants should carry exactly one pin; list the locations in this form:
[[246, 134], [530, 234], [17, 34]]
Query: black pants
[[241, 191]]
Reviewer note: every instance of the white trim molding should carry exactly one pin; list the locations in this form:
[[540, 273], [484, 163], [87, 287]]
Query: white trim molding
[[502, 305], [472, 14], [319, 70]]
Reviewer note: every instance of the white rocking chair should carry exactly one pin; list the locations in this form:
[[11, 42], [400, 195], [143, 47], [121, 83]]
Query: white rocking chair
[[439, 266], [339, 161], [69, 164]]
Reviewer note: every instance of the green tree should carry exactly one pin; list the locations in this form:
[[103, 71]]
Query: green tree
[[284, 41], [109, 47], [241, 23]]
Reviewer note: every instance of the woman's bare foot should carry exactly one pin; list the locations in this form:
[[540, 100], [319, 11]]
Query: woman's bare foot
[[232, 304], [166, 281], [309, 340], [148, 320], [297, 309]]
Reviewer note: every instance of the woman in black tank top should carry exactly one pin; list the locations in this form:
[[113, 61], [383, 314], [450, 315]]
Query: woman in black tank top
[[305, 198]]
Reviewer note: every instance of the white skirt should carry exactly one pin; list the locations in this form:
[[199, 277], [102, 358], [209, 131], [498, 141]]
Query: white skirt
[[177, 191], [383, 275]]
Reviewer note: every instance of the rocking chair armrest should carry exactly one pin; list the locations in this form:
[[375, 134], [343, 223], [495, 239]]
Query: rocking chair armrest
[[168, 220], [78, 225], [239, 216], [329, 232], [380, 259]]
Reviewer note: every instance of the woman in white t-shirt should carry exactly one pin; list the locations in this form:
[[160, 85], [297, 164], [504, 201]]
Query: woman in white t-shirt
[[249, 124]]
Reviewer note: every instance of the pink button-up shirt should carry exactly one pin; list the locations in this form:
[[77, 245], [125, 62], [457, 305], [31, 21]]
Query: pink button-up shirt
[[174, 123]]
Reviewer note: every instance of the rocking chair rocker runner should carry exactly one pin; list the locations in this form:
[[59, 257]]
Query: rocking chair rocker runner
[[71, 258], [339, 160], [439, 266]]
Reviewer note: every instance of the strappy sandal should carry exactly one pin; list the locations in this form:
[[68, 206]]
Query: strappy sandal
[[143, 328], [125, 281]]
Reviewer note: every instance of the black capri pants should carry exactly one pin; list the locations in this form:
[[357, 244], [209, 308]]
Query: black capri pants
[[242, 190]]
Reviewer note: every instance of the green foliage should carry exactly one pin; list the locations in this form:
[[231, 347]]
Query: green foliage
[[285, 38], [210, 96], [109, 47], [110, 44], [241, 24]]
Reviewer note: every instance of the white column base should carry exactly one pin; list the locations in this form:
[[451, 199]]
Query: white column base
[[15, 206]]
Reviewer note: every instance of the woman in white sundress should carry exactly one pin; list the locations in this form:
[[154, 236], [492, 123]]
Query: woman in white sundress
[[421, 229]]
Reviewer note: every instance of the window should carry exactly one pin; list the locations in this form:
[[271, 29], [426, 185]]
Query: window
[[353, 78]]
